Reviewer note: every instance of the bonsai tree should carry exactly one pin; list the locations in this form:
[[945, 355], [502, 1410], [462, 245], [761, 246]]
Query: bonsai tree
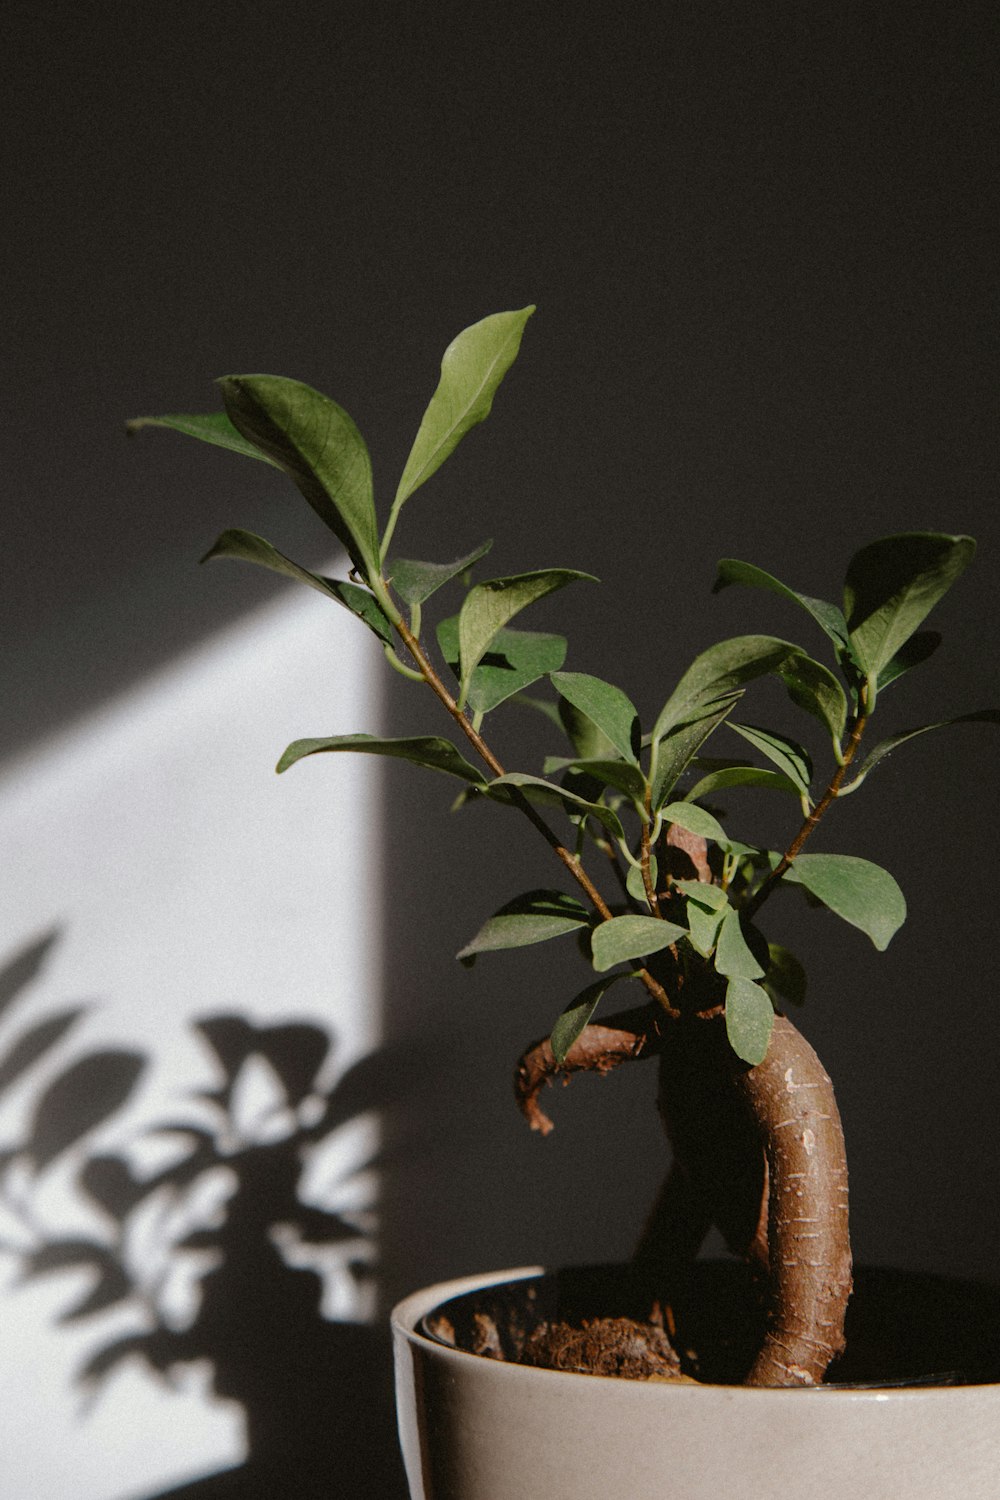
[[658, 889]]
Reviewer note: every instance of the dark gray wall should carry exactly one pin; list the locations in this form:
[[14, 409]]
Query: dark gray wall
[[759, 238]]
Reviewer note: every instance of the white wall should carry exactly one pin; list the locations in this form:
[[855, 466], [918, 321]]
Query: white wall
[[186, 879]]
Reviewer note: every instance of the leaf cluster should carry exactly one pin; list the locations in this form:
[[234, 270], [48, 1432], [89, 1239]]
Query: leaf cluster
[[627, 793]]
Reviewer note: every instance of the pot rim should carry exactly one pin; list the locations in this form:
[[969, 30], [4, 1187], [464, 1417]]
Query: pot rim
[[406, 1316]]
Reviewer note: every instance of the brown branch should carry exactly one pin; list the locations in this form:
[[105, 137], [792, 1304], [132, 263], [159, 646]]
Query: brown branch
[[598, 1049]]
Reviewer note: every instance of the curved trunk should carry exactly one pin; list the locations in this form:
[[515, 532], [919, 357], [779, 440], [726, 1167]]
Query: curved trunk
[[759, 1152]]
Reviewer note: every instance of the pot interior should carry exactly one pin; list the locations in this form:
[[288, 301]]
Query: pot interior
[[903, 1328]]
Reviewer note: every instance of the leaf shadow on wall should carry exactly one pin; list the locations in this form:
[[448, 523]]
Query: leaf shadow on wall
[[233, 1224]]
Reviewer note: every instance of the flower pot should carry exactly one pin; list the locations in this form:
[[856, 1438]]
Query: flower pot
[[474, 1428]]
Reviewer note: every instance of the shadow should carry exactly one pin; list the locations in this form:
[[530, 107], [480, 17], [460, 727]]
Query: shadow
[[241, 1236]]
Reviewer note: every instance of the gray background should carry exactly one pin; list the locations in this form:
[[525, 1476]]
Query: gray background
[[759, 238]]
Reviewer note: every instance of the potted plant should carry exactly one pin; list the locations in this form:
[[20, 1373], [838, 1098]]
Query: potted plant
[[660, 893]]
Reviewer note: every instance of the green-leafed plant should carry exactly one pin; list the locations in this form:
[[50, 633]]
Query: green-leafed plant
[[674, 910]]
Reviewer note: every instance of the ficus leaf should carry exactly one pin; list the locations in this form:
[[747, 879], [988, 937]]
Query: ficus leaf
[[472, 368], [790, 758], [210, 427], [721, 671], [491, 605], [860, 892], [891, 587], [827, 616], [636, 886], [319, 447], [516, 784], [704, 923], [732, 955], [886, 747], [749, 1020], [531, 918], [621, 774], [577, 1014], [415, 582], [678, 747], [696, 820], [813, 687], [430, 751], [620, 939], [515, 659], [742, 774], [244, 546], [606, 706]]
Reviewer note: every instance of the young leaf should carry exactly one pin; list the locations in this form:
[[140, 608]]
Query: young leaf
[[515, 660], [474, 364], [785, 975], [711, 896], [431, 751], [918, 649], [732, 955], [738, 773], [621, 774], [885, 747], [827, 616], [813, 687], [719, 672], [606, 706], [893, 584], [211, 427], [491, 605], [531, 918], [695, 820], [317, 444], [855, 889], [246, 547], [749, 1019], [680, 745], [415, 582], [620, 939], [790, 758], [704, 923], [577, 1016], [547, 794], [634, 883]]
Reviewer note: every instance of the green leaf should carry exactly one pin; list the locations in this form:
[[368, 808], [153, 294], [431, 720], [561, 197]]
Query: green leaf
[[721, 671], [862, 893], [785, 975], [738, 773], [827, 616], [620, 939], [912, 653], [606, 706], [434, 753], [531, 918], [732, 955], [491, 605], [678, 747], [885, 747], [893, 584], [696, 820], [749, 1019], [415, 582], [515, 660], [577, 1016], [704, 923], [634, 883], [813, 687], [474, 364], [711, 896], [790, 758], [317, 444], [210, 427], [621, 774], [246, 547], [516, 784]]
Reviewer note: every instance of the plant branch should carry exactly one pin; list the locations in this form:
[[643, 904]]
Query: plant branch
[[813, 818], [571, 861]]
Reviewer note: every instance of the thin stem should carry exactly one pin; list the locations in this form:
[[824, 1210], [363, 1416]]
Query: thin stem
[[812, 820], [571, 861]]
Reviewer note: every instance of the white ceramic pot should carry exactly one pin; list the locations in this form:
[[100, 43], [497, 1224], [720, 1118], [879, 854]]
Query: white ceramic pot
[[481, 1429]]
